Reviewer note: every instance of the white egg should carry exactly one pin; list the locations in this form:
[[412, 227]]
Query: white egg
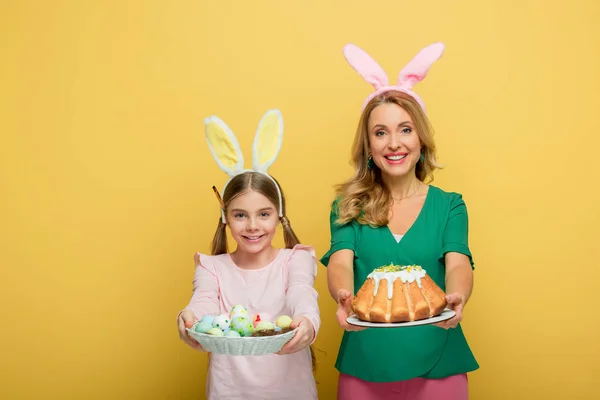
[[222, 322]]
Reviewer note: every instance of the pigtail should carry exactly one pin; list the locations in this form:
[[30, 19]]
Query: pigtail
[[291, 240], [313, 359], [289, 236], [219, 243]]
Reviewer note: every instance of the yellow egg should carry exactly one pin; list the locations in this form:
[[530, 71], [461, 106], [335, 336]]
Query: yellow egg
[[215, 332], [283, 321], [263, 326]]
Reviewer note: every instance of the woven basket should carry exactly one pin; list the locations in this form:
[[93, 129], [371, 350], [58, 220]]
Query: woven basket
[[242, 346]]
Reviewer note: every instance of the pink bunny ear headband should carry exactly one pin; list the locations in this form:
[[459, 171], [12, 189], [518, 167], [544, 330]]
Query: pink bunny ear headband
[[414, 72]]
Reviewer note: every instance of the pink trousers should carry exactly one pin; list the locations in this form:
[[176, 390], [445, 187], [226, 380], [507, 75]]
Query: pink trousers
[[451, 388]]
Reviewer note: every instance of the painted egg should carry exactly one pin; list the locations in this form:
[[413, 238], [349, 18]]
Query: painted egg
[[242, 325], [222, 322], [202, 327], [283, 321], [215, 332], [238, 311], [258, 318], [264, 326], [208, 318], [278, 329], [232, 333]]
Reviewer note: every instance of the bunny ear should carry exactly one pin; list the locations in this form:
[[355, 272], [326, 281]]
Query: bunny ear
[[267, 141], [416, 70], [223, 146], [366, 66]]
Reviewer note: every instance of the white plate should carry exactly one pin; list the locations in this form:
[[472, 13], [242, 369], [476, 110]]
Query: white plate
[[445, 315]]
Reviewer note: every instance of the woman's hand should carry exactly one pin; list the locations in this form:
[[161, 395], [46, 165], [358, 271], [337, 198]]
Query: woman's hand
[[344, 300], [186, 320], [302, 338], [456, 302]]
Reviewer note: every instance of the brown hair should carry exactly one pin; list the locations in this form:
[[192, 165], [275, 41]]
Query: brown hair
[[365, 197], [262, 184]]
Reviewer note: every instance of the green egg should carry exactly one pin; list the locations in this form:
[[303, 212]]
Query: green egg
[[202, 327], [232, 333], [242, 325]]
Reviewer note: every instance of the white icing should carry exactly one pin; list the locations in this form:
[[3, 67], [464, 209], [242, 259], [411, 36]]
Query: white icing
[[405, 274]]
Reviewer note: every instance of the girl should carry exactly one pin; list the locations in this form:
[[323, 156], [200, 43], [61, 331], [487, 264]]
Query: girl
[[387, 213], [263, 278]]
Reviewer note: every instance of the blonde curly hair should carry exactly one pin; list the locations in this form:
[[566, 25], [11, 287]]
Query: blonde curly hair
[[365, 197]]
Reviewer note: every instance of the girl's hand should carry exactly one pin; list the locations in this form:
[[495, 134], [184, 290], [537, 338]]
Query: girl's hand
[[455, 302], [302, 338], [186, 320], [344, 300]]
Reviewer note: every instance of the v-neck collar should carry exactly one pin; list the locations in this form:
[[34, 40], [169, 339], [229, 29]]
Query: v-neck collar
[[390, 234]]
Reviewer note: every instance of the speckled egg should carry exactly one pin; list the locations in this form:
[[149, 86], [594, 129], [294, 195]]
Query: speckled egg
[[242, 325], [239, 311], [215, 332], [202, 327], [222, 322], [232, 333], [208, 319]]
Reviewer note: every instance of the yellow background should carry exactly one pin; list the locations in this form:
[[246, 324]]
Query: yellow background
[[106, 177]]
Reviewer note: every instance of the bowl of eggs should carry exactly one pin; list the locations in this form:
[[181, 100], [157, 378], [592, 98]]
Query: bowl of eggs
[[240, 334]]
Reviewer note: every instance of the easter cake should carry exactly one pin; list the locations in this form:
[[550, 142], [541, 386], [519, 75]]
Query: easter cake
[[398, 294]]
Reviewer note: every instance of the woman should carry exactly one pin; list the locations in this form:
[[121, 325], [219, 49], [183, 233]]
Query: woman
[[387, 213]]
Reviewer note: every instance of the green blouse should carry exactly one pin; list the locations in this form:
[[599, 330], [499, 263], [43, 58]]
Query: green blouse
[[394, 354]]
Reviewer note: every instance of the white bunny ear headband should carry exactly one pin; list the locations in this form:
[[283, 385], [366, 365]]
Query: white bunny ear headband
[[414, 72], [226, 150]]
